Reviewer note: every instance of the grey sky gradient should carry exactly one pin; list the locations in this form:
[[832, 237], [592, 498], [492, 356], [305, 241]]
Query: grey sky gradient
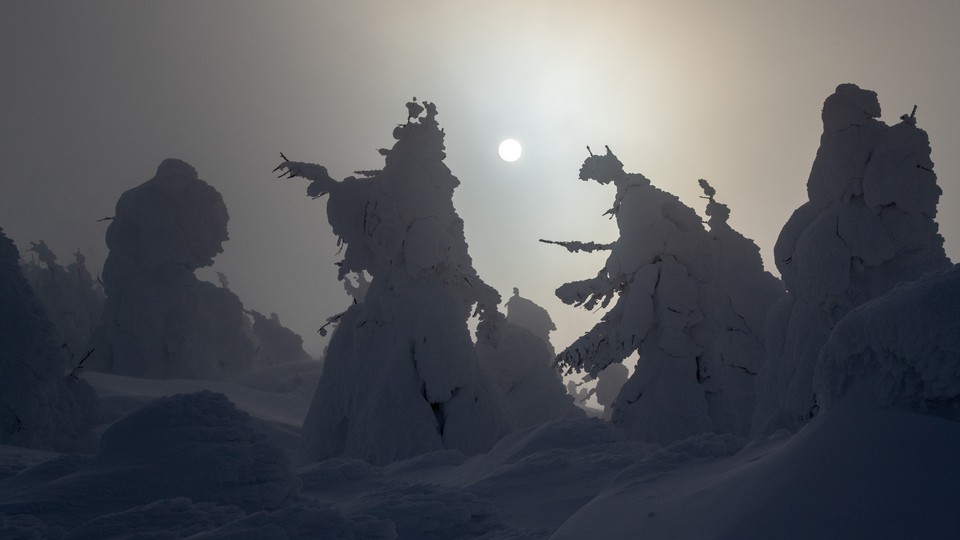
[[95, 94]]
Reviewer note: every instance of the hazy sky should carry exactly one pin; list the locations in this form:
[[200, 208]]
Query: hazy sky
[[95, 94]]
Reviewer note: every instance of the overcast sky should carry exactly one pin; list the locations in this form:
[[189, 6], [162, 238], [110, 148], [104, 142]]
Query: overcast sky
[[95, 94]]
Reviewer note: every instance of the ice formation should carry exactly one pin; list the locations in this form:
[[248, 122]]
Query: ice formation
[[521, 361], [159, 319], [401, 376], [71, 297], [43, 403], [867, 226], [692, 301]]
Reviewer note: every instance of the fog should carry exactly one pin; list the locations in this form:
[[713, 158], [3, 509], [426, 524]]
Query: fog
[[95, 96]]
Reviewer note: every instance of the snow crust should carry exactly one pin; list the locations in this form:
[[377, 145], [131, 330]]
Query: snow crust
[[857, 471], [197, 446]]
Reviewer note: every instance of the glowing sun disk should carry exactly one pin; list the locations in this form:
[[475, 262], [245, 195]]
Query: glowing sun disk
[[510, 150]]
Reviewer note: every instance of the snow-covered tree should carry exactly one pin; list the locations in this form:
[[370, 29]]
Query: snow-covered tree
[[43, 403], [521, 361], [159, 320], [690, 301], [73, 300], [609, 383], [275, 342], [867, 226], [527, 314], [401, 375]]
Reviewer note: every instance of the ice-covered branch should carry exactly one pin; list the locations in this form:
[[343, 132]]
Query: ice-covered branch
[[321, 182], [574, 246]]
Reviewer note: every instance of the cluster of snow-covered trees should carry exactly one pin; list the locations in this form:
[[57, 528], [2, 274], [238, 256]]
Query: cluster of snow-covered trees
[[151, 316], [723, 346], [402, 375]]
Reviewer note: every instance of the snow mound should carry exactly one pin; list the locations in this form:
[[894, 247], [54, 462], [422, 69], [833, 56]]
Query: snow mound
[[845, 475], [165, 519], [199, 445], [906, 342]]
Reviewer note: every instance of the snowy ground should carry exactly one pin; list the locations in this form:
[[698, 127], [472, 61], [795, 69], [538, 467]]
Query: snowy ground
[[855, 471]]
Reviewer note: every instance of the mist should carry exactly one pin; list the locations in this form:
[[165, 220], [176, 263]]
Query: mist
[[98, 95]]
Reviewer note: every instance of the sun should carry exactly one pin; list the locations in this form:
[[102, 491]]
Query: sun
[[510, 150]]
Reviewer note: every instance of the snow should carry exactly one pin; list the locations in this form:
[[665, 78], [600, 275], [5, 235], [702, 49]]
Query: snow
[[906, 343], [860, 471], [411, 429]]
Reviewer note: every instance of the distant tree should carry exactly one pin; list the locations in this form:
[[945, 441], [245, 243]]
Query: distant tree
[[691, 301], [609, 383], [275, 342], [71, 297], [43, 404], [401, 375], [521, 361]]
